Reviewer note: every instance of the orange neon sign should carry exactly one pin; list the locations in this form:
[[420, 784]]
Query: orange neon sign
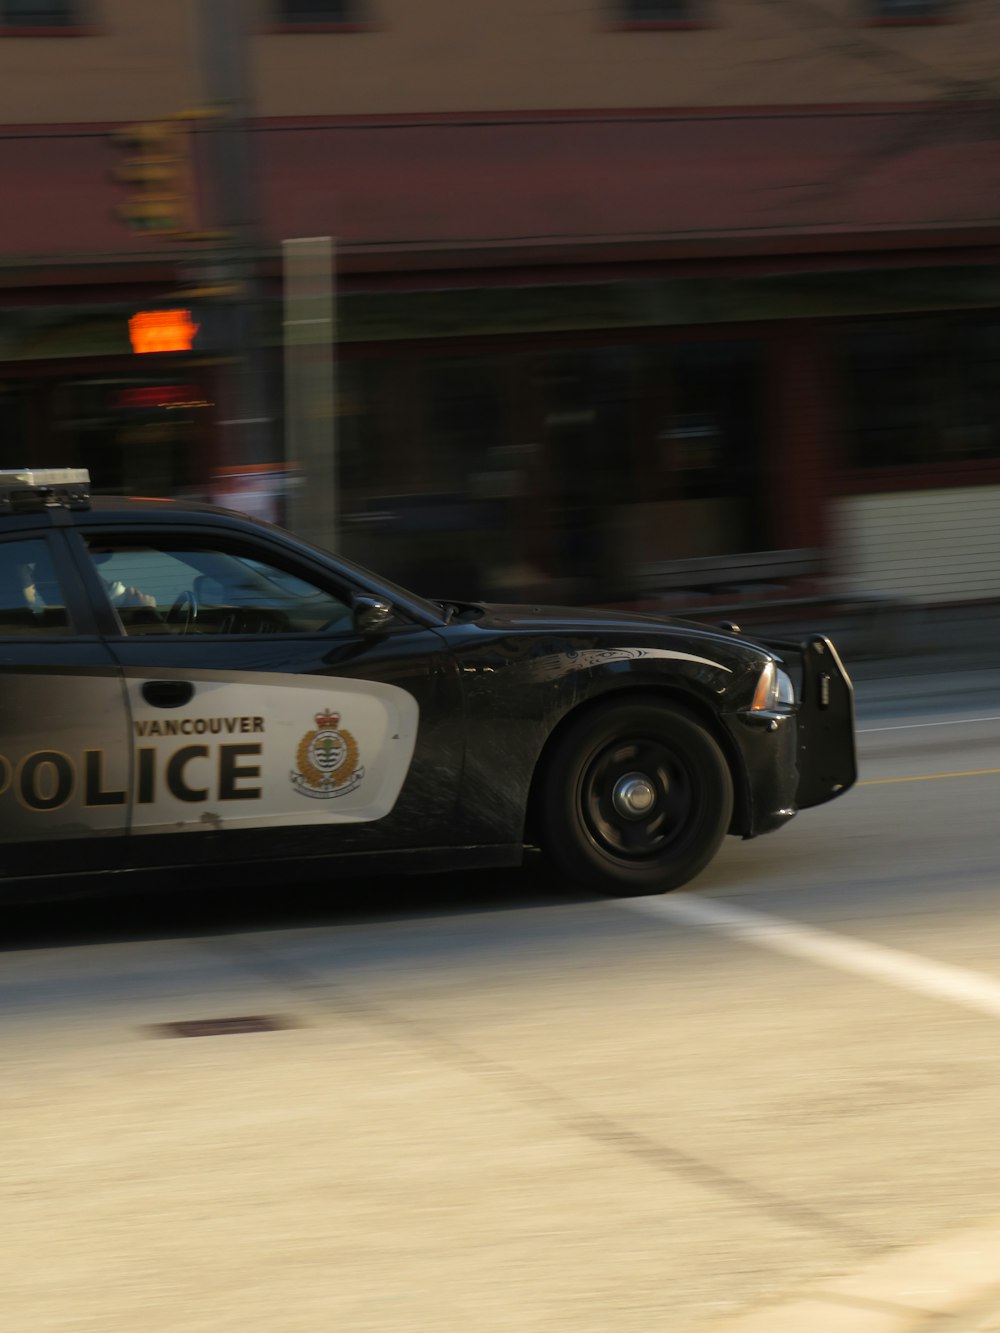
[[162, 331]]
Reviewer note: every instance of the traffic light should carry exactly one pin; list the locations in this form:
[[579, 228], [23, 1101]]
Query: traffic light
[[160, 175]]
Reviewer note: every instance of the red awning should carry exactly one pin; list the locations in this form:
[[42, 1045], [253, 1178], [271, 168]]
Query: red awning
[[394, 192]]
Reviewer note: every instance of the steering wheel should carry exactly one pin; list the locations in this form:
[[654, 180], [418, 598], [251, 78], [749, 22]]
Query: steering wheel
[[184, 611]]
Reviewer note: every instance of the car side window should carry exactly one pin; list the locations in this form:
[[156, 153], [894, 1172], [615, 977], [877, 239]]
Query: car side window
[[197, 588], [32, 601]]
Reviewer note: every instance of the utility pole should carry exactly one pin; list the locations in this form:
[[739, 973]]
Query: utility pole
[[230, 278], [310, 390]]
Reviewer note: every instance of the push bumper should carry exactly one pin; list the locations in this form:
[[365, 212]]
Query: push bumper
[[801, 757], [826, 754]]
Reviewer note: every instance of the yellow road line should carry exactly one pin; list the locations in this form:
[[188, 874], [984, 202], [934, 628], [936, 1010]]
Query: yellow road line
[[929, 777]]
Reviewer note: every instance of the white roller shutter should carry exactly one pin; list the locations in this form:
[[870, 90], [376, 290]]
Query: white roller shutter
[[933, 547]]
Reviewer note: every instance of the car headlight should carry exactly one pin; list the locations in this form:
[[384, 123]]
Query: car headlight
[[774, 690]]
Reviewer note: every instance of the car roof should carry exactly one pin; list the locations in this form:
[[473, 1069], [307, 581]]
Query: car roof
[[132, 505], [141, 508], [154, 510]]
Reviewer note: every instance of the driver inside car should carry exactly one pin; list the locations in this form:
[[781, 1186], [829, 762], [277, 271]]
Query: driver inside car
[[123, 596], [119, 594]]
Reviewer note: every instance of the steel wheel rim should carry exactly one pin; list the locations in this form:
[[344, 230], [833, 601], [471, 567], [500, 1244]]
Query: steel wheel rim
[[636, 799]]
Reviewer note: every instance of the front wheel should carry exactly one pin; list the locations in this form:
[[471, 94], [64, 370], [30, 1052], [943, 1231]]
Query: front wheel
[[635, 799]]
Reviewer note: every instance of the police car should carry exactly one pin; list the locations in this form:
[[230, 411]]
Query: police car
[[184, 687]]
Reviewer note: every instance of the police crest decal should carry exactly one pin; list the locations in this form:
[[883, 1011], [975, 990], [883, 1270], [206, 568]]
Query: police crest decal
[[327, 760]]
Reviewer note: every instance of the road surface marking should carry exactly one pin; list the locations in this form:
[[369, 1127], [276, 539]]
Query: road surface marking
[[894, 967], [911, 726], [949, 1283], [929, 777]]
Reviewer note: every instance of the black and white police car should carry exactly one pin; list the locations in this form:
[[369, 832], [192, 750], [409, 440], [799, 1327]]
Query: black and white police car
[[183, 687]]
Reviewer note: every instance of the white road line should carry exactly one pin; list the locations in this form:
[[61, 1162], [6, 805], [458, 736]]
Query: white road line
[[922, 976], [948, 1283], [912, 726]]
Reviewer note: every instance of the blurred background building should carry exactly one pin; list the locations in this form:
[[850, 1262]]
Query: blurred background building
[[617, 281]]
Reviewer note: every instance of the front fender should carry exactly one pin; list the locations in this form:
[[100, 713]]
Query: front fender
[[518, 693]]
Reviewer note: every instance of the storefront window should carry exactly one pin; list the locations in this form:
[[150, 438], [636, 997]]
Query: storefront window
[[549, 474], [921, 394], [13, 428], [367, 465], [587, 403], [708, 427], [420, 446], [136, 436], [653, 452]]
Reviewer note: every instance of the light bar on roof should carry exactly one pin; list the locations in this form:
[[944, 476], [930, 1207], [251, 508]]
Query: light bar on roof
[[28, 489], [44, 476]]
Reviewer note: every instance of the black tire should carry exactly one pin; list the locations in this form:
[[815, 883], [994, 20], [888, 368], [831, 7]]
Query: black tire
[[635, 798]]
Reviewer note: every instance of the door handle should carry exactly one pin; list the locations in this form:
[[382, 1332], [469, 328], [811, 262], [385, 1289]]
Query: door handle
[[167, 693]]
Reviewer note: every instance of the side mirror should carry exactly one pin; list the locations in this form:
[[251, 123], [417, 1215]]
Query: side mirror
[[370, 613]]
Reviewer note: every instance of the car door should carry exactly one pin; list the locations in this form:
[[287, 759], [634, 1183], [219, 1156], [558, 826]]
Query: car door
[[263, 723], [65, 762]]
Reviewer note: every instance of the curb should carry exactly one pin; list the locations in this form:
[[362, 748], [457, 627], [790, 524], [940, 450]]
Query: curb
[[952, 1283]]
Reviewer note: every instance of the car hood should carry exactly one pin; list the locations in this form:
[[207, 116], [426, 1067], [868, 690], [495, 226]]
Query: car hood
[[501, 616]]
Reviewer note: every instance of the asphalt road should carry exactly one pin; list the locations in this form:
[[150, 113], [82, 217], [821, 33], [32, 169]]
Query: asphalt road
[[495, 1103]]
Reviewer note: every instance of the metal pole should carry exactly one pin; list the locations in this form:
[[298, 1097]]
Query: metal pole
[[246, 421], [310, 415]]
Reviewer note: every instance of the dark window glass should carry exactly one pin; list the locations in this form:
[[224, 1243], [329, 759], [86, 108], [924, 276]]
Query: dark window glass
[[649, 454], [133, 440], [13, 415], [464, 422], [921, 394], [430, 470], [201, 590], [587, 470], [39, 14], [704, 473], [31, 599], [550, 474], [660, 11], [317, 11], [909, 9]]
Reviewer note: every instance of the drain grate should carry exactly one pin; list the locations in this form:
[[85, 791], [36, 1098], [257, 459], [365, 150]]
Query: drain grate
[[224, 1027]]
